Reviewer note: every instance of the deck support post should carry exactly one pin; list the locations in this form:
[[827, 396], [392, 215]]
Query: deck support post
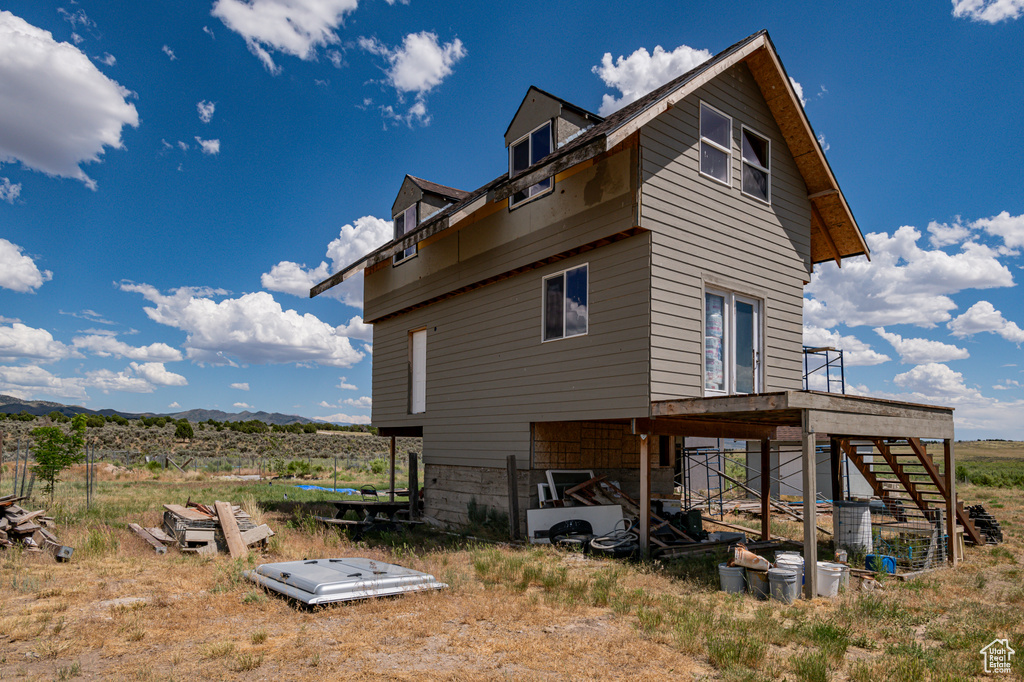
[[766, 489], [810, 507], [949, 472], [645, 495], [391, 492]]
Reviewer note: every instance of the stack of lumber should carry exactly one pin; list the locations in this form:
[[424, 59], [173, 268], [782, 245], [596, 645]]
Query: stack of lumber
[[600, 491], [29, 529], [199, 529]]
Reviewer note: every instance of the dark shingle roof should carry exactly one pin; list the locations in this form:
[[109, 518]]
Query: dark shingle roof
[[443, 190]]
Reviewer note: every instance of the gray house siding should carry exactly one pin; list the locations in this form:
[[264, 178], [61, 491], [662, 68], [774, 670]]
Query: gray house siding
[[489, 375], [707, 234]]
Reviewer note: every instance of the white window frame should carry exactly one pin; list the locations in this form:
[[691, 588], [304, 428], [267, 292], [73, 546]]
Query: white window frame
[[533, 191], [744, 130], [713, 144], [730, 298], [408, 253], [544, 308], [417, 361]]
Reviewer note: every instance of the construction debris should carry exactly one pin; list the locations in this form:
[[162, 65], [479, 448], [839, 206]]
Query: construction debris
[[199, 529], [986, 524], [29, 529]]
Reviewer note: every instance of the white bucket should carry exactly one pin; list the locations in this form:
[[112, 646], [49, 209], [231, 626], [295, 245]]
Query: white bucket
[[784, 585], [757, 583], [732, 578], [794, 563], [829, 579]]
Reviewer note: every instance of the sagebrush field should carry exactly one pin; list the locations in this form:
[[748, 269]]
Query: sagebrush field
[[119, 611]]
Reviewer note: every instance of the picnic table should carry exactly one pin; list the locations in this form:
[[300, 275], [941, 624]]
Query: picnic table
[[372, 514]]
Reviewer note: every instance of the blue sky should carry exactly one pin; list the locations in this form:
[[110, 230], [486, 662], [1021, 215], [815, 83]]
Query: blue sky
[[174, 176]]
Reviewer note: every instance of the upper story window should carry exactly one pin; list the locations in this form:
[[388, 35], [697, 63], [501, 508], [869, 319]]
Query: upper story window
[[565, 304], [732, 343], [715, 144], [405, 222], [757, 176], [525, 152]]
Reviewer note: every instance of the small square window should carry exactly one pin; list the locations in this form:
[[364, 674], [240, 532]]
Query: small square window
[[757, 166], [565, 304], [525, 152], [715, 144]]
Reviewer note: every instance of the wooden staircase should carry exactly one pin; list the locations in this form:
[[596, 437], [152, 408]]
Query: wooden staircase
[[908, 478]]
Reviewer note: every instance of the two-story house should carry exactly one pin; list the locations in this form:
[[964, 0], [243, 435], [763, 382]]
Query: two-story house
[[627, 281]]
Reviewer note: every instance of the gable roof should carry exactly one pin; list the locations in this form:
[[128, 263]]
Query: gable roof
[[565, 104], [834, 231], [435, 188]]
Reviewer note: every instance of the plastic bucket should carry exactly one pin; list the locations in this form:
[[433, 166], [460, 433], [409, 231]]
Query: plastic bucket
[[788, 553], [731, 578], [783, 584], [794, 563], [757, 583], [829, 579]]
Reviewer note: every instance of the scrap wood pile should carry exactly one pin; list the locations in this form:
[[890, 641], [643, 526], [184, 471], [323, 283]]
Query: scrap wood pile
[[598, 491], [199, 529], [29, 529]]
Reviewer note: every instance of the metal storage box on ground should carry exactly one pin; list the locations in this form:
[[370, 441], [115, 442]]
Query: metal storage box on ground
[[321, 581]]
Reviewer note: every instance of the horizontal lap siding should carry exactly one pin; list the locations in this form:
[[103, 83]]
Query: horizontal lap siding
[[701, 228], [489, 375]]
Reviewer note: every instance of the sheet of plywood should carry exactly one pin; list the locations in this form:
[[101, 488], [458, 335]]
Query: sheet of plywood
[[227, 522]]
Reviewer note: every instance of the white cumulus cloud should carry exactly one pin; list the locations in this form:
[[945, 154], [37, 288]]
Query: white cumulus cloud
[[293, 27], [855, 352], [417, 66], [903, 283], [209, 147], [252, 328], [346, 419], [922, 351], [988, 11], [353, 242], [345, 386], [169, 52], [364, 402], [156, 373], [1009, 227], [105, 345], [21, 342], [28, 381], [19, 272], [641, 72], [983, 317], [242, 405], [57, 110], [241, 386], [206, 110], [9, 191]]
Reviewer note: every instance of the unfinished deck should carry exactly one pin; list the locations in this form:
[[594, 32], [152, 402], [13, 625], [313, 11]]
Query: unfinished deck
[[843, 418]]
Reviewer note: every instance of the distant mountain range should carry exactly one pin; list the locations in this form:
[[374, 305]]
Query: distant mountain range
[[12, 405]]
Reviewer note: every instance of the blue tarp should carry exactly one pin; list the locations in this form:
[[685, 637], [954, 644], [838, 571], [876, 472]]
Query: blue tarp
[[343, 491]]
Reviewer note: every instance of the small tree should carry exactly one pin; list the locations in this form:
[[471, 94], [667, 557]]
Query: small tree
[[183, 430], [55, 451]]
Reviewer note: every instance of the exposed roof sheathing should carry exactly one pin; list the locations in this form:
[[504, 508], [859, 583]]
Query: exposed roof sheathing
[[834, 234]]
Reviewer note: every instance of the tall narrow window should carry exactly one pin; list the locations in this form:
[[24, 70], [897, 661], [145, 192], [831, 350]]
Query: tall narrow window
[[418, 371], [405, 222], [525, 152], [565, 304], [732, 343], [757, 177], [715, 144]]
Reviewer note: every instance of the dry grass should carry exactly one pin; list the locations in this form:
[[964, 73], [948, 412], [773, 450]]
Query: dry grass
[[118, 611]]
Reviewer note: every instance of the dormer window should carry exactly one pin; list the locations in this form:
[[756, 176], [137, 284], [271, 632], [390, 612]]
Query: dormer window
[[525, 152], [405, 222]]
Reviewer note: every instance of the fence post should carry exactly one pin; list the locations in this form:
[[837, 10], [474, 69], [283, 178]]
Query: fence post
[[414, 486]]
